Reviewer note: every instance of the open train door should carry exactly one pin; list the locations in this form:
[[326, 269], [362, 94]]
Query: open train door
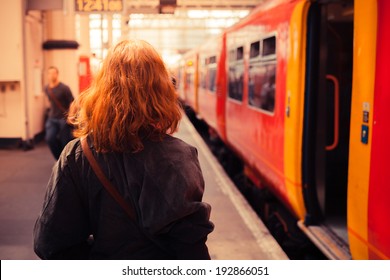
[[327, 113]]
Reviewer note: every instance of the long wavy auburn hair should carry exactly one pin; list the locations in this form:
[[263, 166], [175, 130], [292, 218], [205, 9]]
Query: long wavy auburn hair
[[131, 99]]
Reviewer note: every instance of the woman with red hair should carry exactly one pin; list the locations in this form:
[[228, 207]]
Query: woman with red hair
[[125, 119]]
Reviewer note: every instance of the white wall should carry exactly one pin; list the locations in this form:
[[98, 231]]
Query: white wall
[[34, 70], [11, 111], [60, 25], [11, 70], [11, 40]]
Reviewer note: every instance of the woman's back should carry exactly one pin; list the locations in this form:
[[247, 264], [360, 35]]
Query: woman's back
[[163, 181], [126, 115]]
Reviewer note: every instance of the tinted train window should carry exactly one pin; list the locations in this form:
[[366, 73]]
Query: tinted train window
[[236, 81], [262, 77], [255, 49], [212, 60], [240, 53], [211, 72], [269, 46], [212, 78], [261, 86], [236, 73]]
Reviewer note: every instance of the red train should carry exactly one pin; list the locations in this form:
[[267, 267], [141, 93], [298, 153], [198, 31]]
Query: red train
[[299, 90]]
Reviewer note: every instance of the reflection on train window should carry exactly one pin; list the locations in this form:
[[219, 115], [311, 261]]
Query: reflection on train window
[[255, 49], [269, 46], [236, 81], [240, 53], [212, 76], [261, 87]]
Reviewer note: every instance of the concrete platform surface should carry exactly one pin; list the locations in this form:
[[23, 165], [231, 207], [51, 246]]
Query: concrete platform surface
[[23, 179], [239, 234]]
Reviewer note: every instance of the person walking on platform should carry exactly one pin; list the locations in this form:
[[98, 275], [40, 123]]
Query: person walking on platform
[[58, 132], [126, 188]]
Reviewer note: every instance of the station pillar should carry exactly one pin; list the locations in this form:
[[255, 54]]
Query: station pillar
[[60, 45]]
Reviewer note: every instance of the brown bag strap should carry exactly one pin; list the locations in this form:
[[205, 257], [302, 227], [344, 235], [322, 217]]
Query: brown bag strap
[[56, 101], [105, 182]]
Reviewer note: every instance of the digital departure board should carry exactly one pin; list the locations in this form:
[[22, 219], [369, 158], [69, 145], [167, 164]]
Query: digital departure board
[[99, 6]]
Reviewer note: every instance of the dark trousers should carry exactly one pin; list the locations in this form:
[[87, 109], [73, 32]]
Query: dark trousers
[[58, 134]]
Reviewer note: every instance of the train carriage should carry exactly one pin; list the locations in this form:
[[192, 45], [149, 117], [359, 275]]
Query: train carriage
[[301, 93]]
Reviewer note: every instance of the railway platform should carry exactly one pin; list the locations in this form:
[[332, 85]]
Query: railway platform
[[239, 234]]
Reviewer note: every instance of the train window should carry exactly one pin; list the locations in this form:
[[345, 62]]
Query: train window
[[236, 81], [236, 73], [212, 77], [240, 53], [269, 46], [255, 49], [261, 86], [211, 72], [212, 59]]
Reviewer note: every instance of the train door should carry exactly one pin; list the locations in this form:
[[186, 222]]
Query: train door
[[327, 124]]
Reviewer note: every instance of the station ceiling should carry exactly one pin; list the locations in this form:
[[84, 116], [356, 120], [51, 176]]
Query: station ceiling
[[179, 28], [152, 6]]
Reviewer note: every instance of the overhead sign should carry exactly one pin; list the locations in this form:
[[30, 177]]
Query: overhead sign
[[99, 6]]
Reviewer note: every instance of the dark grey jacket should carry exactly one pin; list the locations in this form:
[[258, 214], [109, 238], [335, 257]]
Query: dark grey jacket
[[166, 185], [64, 97]]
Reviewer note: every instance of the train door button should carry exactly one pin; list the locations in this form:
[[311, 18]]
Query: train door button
[[364, 134]]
